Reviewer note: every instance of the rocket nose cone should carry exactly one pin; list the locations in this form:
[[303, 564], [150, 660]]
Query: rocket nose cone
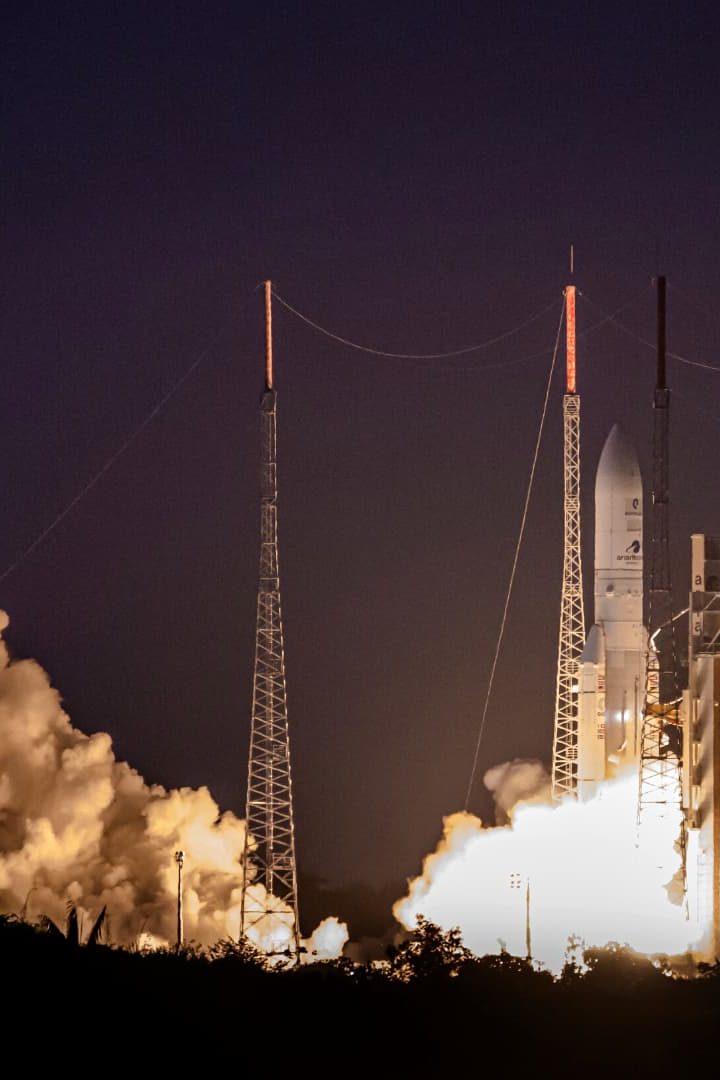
[[618, 457]]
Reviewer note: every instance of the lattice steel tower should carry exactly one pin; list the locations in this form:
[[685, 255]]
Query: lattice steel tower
[[572, 616], [661, 738], [270, 834]]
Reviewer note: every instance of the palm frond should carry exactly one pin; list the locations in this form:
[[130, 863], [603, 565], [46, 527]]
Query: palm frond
[[51, 928], [96, 933], [72, 926]]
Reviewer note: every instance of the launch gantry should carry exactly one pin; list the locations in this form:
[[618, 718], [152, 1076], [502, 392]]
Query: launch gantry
[[661, 738]]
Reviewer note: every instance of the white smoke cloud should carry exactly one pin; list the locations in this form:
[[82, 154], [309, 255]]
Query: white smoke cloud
[[76, 825], [586, 876], [522, 780], [327, 940]]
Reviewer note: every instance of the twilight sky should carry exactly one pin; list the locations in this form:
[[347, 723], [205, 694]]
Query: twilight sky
[[410, 176]]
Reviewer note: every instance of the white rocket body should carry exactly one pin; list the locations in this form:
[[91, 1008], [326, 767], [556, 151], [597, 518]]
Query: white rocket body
[[612, 667], [591, 714]]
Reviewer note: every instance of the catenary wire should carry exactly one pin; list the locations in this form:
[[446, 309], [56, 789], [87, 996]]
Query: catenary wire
[[415, 356], [610, 317], [651, 345], [582, 334], [105, 468], [158, 407], [518, 545], [445, 355]]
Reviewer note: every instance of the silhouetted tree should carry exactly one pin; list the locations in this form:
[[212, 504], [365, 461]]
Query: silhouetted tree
[[429, 952]]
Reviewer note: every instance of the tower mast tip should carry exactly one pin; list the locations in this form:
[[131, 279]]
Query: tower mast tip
[[571, 383], [268, 336]]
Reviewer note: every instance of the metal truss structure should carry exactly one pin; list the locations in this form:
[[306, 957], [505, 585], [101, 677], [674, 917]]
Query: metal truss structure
[[661, 735], [572, 615], [271, 894]]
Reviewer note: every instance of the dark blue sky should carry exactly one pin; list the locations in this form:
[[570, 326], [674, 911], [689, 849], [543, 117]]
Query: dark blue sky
[[410, 176]]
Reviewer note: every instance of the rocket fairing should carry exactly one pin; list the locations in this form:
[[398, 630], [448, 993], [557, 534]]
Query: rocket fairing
[[612, 667]]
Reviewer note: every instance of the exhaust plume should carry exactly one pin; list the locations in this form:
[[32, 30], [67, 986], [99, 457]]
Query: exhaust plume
[[579, 861], [78, 826]]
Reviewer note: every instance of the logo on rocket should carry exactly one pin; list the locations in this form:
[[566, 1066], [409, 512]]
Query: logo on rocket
[[634, 547]]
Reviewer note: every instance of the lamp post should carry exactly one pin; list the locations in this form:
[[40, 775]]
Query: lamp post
[[516, 883], [528, 932], [179, 859]]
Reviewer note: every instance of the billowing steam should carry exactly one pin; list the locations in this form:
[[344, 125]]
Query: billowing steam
[[514, 783], [574, 867], [78, 826]]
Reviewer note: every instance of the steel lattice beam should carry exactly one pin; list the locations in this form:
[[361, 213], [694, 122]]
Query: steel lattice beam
[[661, 738], [270, 834], [660, 780], [572, 616]]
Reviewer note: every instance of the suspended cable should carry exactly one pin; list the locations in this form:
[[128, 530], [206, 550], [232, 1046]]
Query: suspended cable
[[693, 363], [510, 362], [415, 356], [515, 560], [517, 359], [609, 318], [651, 345], [150, 416]]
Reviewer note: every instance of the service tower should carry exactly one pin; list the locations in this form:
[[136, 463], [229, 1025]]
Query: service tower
[[572, 618], [269, 905]]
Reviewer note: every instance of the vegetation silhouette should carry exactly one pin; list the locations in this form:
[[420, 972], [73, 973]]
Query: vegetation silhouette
[[429, 1008], [72, 935]]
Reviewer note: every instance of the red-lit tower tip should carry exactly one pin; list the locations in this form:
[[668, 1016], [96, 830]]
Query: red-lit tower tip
[[571, 385], [268, 336]]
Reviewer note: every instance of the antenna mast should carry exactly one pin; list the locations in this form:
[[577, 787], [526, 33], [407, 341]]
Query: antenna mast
[[661, 738], [572, 616], [268, 336], [270, 832]]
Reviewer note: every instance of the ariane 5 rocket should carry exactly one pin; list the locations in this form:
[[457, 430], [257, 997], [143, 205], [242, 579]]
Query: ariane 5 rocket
[[611, 682]]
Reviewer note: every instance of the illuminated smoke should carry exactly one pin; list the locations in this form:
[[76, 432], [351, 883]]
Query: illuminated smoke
[[587, 877], [514, 783], [78, 826], [327, 940]]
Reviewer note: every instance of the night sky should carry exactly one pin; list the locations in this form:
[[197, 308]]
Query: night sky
[[411, 177]]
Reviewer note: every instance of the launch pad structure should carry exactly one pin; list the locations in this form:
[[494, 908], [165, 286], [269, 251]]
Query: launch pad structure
[[270, 896], [608, 682], [572, 616], [618, 706], [661, 739]]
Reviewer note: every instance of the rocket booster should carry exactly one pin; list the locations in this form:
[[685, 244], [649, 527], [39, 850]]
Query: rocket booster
[[612, 667], [591, 713]]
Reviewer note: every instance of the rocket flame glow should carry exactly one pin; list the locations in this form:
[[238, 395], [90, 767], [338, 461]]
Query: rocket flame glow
[[588, 879]]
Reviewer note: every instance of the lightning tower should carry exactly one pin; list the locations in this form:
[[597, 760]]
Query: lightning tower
[[661, 738], [270, 834], [572, 616]]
